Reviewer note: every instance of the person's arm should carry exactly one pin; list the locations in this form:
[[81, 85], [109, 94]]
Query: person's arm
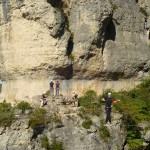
[[117, 101], [103, 99]]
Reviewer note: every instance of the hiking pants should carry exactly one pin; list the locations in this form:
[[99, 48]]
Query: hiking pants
[[52, 91], [108, 117], [57, 92]]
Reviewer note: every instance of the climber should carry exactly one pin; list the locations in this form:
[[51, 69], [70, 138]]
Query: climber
[[108, 106], [75, 98], [52, 88], [43, 99], [57, 87]]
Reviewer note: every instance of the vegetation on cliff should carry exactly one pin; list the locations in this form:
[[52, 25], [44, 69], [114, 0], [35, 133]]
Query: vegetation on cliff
[[134, 105]]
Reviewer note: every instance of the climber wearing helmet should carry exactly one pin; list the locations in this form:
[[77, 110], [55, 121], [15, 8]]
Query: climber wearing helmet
[[51, 88], [108, 105]]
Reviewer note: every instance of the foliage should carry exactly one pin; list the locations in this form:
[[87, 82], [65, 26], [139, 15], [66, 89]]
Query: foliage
[[56, 145], [44, 142], [135, 107], [87, 123], [6, 114], [38, 118], [90, 103], [103, 132], [135, 144], [23, 106]]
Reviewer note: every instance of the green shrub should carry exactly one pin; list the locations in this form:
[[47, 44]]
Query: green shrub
[[135, 107], [38, 118], [87, 123], [135, 144], [90, 103], [23, 106], [6, 114], [56, 145], [44, 142]]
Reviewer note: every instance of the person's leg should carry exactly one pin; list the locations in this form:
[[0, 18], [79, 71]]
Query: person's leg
[[107, 116], [56, 92]]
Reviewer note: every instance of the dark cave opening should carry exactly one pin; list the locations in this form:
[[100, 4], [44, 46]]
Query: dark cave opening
[[111, 31], [136, 1], [55, 3], [70, 46], [65, 71]]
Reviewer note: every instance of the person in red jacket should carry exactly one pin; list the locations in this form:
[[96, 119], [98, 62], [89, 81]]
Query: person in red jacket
[[57, 87]]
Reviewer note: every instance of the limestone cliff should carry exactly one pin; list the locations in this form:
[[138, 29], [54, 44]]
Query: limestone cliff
[[88, 40], [105, 39]]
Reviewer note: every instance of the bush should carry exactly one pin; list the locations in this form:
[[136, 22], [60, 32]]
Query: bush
[[90, 103], [135, 144], [44, 142], [135, 107], [23, 106], [38, 118], [56, 145], [87, 123], [6, 114]]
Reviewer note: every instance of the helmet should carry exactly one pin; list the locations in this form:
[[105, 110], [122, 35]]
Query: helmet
[[109, 95]]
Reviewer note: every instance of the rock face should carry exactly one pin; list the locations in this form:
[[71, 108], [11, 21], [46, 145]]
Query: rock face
[[70, 132], [96, 40], [106, 39]]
